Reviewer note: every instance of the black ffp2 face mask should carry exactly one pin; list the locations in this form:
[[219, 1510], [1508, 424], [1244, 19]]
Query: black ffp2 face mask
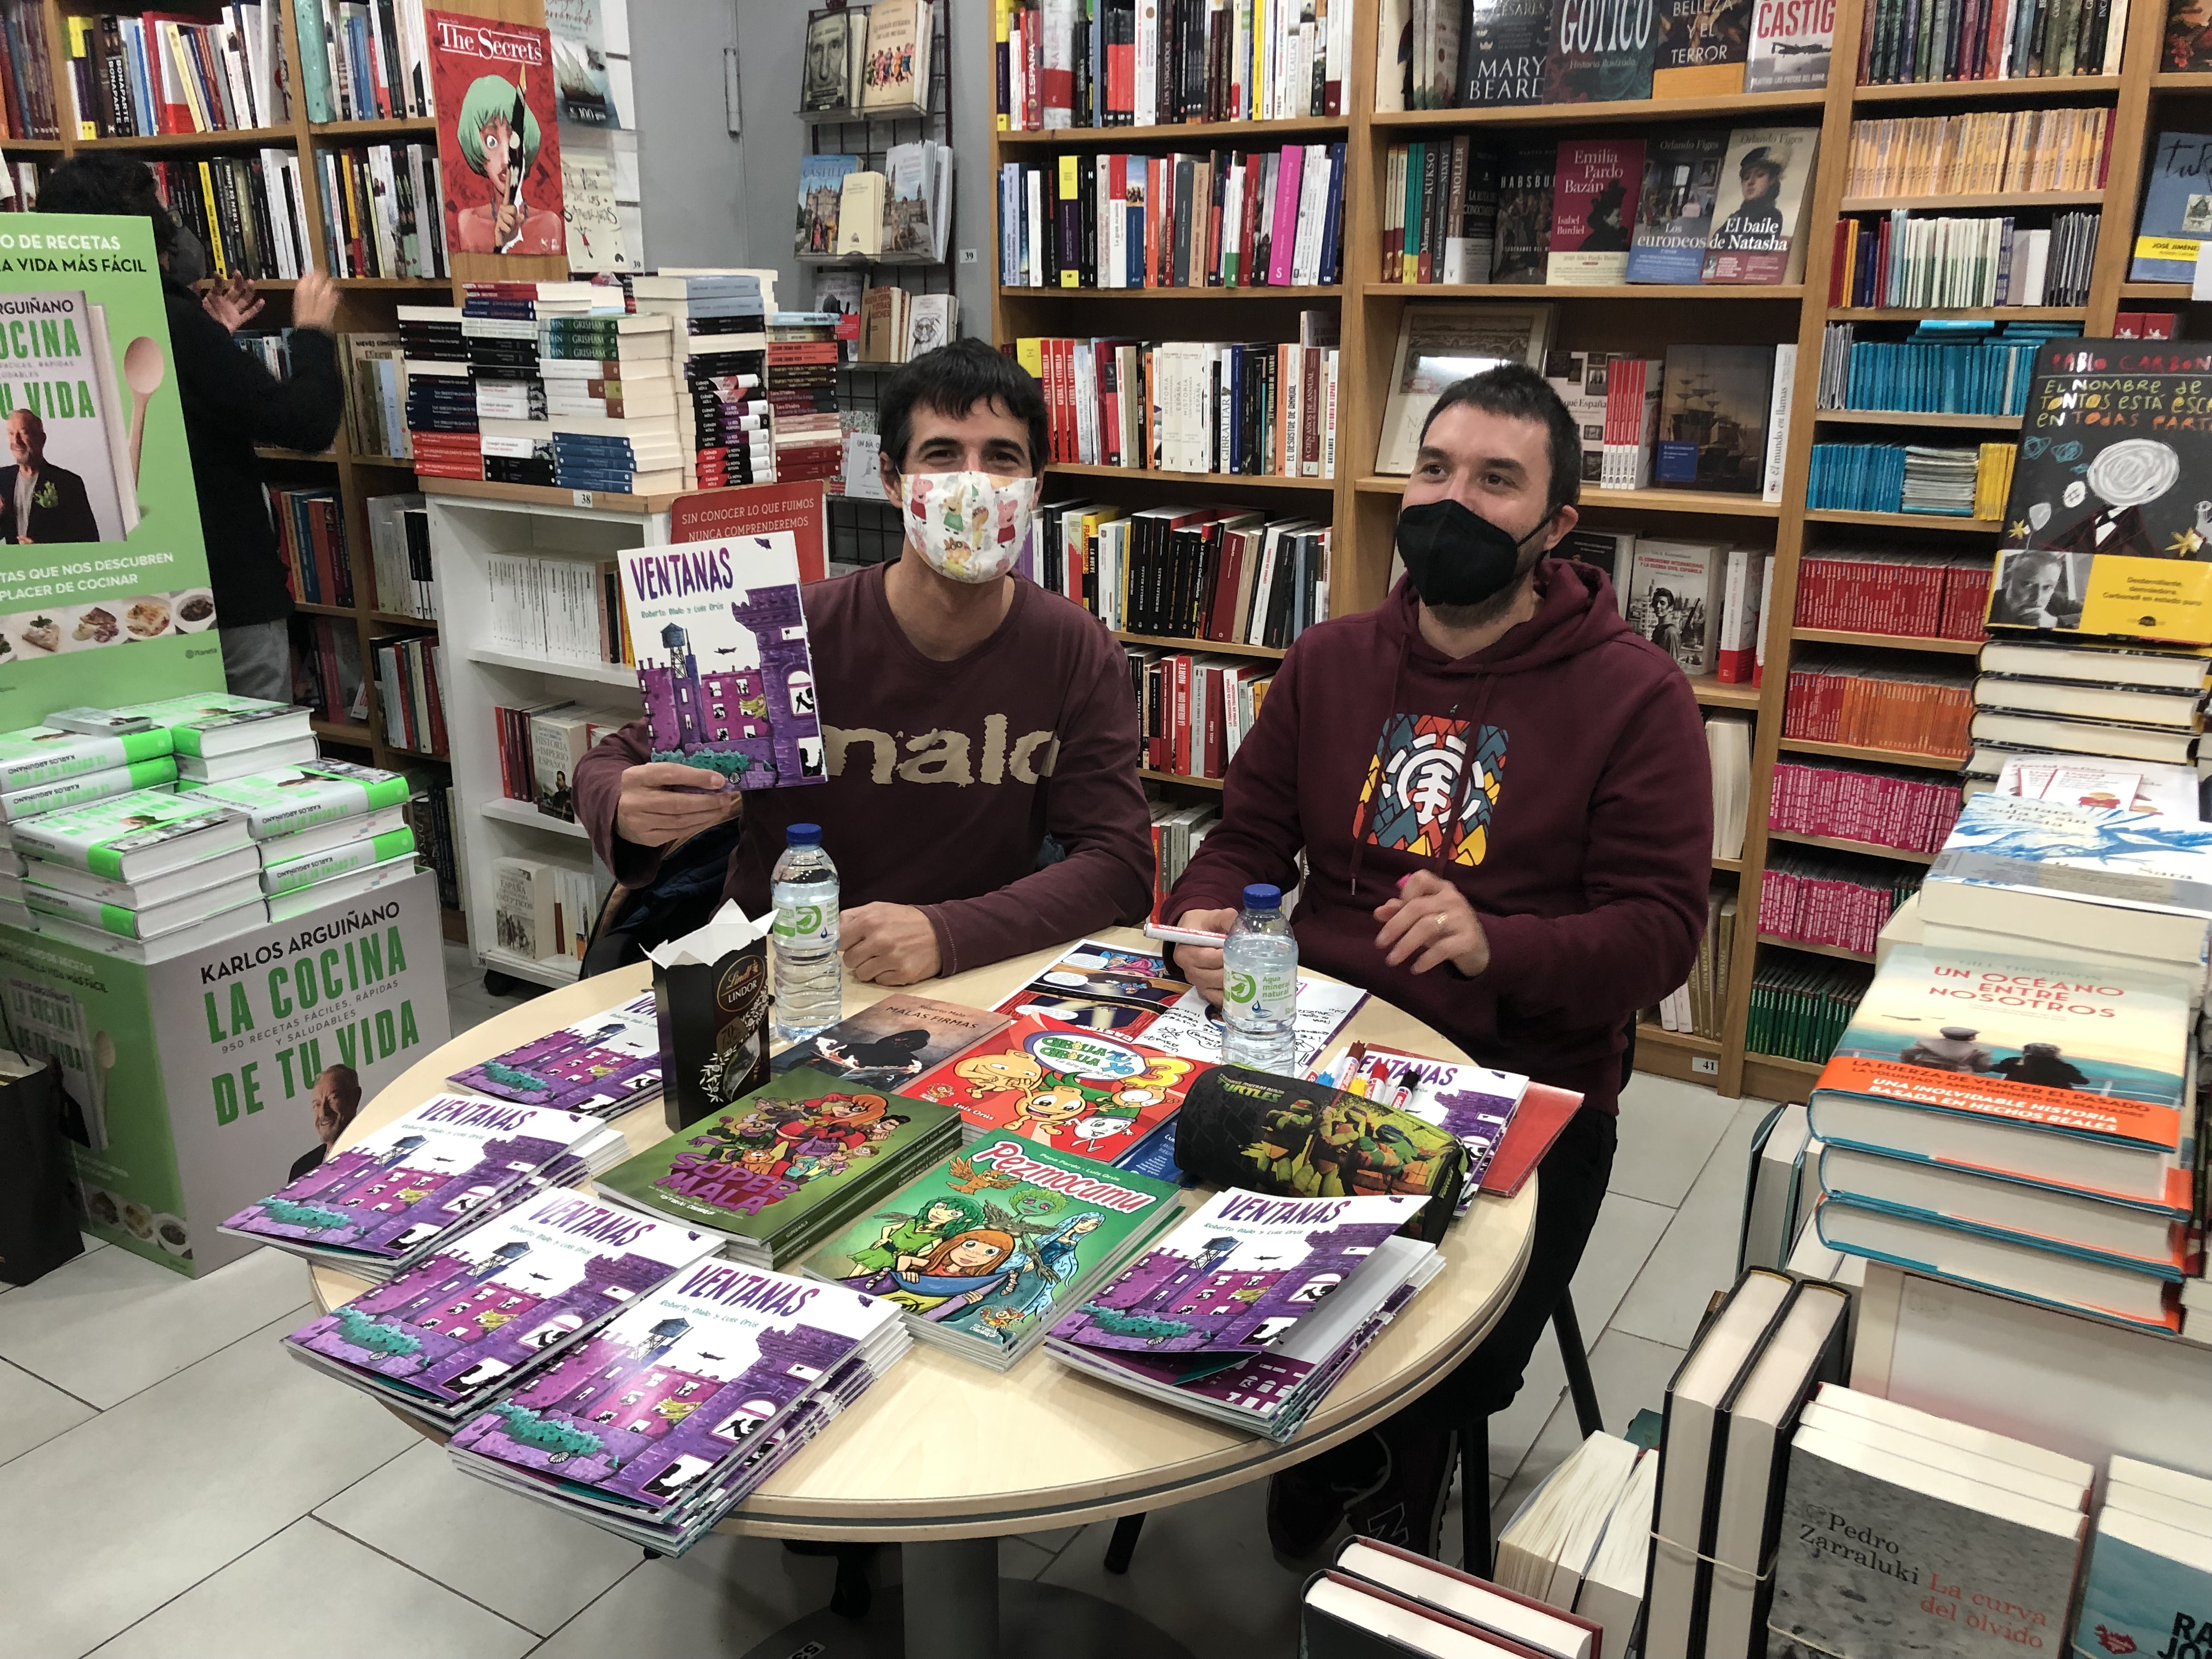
[[1455, 556]]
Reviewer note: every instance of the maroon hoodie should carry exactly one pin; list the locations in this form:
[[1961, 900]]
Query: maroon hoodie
[[1582, 834]]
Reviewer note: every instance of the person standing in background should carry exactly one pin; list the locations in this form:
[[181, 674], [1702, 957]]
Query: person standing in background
[[231, 404]]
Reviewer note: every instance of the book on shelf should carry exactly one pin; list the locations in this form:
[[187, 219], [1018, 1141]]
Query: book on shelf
[[1201, 573], [135, 75], [26, 74], [1439, 344], [1634, 387], [1836, 698], [543, 909], [1121, 64], [1790, 46], [1592, 62], [895, 73], [2173, 222], [862, 198], [1986, 260], [1503, 45], [327, 674], [821, 183], [1839, 900], [1674, 598], [1681, 184], [1930, 595], [1943, 366], [836, 50], [918, 212], [410, 693], [1580, 377], [360, 63], [399, 552], [1702, 48], [380, 211], [2168, 791], [1596, 184], [1851, 800], [1194, 711], [1727, 746], [312, 542], [2001, 43], [1758, 217], [1800, 1006], [1713, 418], [1698, 1006], [1923, 479], [1979, 152], [247, 209]]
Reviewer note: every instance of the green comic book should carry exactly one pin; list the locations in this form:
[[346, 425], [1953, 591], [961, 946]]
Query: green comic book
[[982, 1250], [787, 1165]]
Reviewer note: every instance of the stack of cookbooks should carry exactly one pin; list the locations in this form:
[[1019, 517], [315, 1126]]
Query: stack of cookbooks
[[1088, 1092], [787, 1165], [984, 1250], [144, 876], [400, 1194], [602, 1066], [661, 1424], [501, 1300], [1252, 1309], [324, 830], [218, 736], [51, 769]]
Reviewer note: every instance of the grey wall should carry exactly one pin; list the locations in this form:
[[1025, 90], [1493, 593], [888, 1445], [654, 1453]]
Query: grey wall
[[690, 169]]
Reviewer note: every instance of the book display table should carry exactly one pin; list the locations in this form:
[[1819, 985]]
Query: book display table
[[946, 1456]]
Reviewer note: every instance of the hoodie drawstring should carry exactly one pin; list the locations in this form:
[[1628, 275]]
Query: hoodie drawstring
[[1365, 815]]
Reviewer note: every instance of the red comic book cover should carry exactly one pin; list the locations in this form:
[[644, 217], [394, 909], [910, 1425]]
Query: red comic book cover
[[499, 143], [1079, 1092]]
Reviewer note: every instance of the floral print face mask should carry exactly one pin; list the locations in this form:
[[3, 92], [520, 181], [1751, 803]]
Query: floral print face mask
[[970, 526]]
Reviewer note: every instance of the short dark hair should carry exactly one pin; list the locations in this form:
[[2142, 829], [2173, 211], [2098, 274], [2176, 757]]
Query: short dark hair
[[951, 380], [1520, 393], [102, 181]]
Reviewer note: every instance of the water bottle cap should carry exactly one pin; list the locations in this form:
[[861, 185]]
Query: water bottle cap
[[1261, 897], [803, 835]]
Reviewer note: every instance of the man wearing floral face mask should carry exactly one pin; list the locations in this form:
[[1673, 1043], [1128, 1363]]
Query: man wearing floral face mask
[[967, 714], [1504, 802]]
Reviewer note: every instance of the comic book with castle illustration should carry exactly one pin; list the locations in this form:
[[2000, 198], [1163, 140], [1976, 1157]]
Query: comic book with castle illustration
[[1091, 1093], [603, 1064], [787, 1165], [498, 1298], [1240, 1272], [722, 658], [986, 1249]]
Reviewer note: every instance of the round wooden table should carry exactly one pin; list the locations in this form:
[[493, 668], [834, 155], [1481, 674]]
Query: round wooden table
[[946, 1456]]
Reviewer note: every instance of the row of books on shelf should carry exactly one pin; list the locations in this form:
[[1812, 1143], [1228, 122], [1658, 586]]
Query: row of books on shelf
[[1979, 153], [1727, 752], [1938, 481], [381, 212], [869, 58], [1178, 831], [133, 76], [1192, 710], [311, 540], [1944, 367], [1699, 602], [1801, 1005], [543, 908], [247, 210], [1718, 207], [1850, 800], [20, 182], [1261, 408], [1835, 697], [540, 746], [375, 376], [410, 693], [430, 815], [1933, 595], [1698, 1006], [1227, 574], [1213, 219], [1127, 62], [399, 555], [849, 211], [567, 610], [881, 322], [1836, 899], [27, 75], [1901, 262], [1901, 44], [364, 60], [327, 676]]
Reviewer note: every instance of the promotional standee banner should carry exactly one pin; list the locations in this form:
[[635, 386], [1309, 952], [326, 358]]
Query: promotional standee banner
[[197, 1083], [499, 138], [103, 576]]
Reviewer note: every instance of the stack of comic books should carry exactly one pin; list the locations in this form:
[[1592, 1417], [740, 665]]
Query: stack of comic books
[[496, 1304], [1250, 1311], [602, 1066], [1092, 1093], [664, 1421], [983, 1251], [786, 1166], [399, 1195]]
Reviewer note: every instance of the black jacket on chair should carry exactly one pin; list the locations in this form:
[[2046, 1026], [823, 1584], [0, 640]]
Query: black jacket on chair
[[231, 404]]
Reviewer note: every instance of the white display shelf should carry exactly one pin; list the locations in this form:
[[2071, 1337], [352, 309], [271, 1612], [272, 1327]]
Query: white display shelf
[[552, 970], [559, 668], [522, 812]]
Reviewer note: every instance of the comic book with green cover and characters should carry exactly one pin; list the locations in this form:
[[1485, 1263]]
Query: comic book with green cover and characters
[[986, 1249]]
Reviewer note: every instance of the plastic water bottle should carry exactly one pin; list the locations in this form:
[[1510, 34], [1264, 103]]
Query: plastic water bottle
[[1259, 997], [809, 987]]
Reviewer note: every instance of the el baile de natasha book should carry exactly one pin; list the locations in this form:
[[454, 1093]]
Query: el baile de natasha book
[[722, 658]]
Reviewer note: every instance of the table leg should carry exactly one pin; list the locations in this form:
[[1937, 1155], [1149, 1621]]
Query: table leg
[[951, 1598]]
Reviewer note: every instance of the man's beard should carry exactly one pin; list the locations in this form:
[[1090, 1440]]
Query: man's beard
[[1459, 617]]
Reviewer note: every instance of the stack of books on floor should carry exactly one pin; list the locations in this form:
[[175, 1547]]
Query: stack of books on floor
[[787, 1165], [1582, 1541], [523, 1290], [602, 1066], [2150, 1564], [719, 348], [1068, 1225], [1252, 1309], [401, 1194], [1962, 1506], [1379, 1599], [324, 831], [664, 1421]]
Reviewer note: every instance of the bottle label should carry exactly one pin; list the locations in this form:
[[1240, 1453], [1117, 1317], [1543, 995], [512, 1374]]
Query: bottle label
[[1262, 996], [804, 926]]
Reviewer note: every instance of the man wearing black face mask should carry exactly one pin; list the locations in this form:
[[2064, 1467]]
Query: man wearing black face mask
[[1503, 801]]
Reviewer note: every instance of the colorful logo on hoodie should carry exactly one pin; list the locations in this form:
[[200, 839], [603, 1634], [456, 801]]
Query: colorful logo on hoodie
[[1425, 795]]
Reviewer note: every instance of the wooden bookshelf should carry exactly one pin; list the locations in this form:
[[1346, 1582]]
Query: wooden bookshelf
[[1644, 318], [365, 305]]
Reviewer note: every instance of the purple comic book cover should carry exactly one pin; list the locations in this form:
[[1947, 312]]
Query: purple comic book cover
[[412, 1179], [677, 1382], [498, 1296], [597, 1064], [1243, 1270]]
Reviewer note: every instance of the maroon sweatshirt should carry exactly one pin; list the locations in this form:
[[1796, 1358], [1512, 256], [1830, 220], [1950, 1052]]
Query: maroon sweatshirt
[[944, 777], [1580, 829]]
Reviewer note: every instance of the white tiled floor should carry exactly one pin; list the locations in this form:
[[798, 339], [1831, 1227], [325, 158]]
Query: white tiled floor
[[172, 1484]]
